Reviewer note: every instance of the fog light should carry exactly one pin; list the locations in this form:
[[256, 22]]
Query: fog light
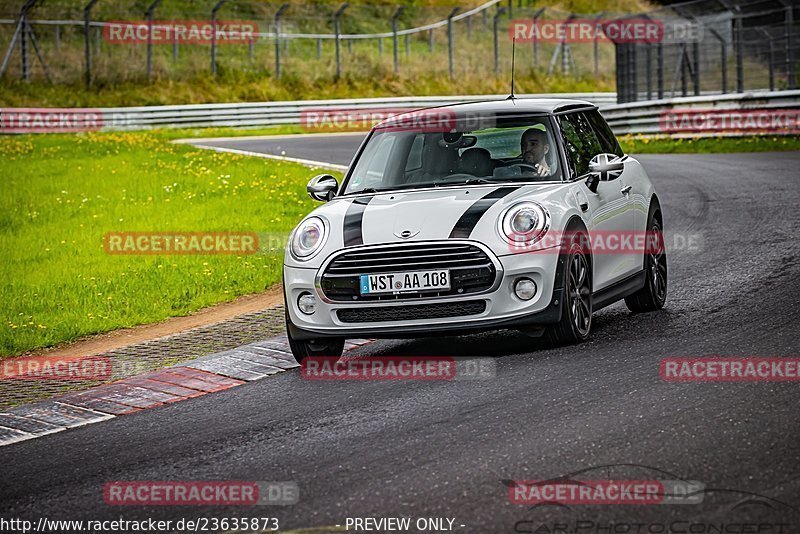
[[307, 303], [525, 288]]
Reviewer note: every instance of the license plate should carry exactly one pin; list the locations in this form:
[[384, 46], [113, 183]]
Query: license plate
[[371, 284]]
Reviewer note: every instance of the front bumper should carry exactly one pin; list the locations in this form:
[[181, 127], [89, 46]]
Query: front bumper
[[503, 309]]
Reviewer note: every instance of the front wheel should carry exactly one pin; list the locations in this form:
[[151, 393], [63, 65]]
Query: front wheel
[[654, 293], [576, 312], [308, 348]]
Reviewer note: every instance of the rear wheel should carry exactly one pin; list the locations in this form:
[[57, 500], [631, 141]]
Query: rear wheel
[[654, 293], [576, 311], [307, 348]]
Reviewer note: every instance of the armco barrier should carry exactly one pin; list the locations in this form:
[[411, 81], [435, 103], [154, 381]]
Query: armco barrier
[[648, 117], [270, 113], [635, 118]]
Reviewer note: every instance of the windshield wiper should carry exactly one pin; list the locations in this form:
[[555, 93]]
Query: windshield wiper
[[479, 181], [466, 182], [365, 190]]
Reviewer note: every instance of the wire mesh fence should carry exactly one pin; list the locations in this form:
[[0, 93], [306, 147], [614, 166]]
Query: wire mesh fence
[[702, 46], [733, 46], [99, 42]]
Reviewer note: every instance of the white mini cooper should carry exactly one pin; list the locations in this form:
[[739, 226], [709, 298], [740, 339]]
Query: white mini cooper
[[516, 214]]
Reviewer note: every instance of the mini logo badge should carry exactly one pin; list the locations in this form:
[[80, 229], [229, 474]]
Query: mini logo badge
[[406, 234]]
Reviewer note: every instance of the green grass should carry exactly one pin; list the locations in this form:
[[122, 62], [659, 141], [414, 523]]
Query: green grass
[[60, 194], [708, 145]]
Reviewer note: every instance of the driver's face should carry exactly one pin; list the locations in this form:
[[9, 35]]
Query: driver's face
[[533, 147]]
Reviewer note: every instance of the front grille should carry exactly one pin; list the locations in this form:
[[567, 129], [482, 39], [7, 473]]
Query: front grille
[[376, 314], [471, 270]]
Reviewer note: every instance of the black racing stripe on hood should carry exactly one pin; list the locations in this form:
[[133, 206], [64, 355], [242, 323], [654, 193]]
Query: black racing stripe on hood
[[469, 220], [352, 221]]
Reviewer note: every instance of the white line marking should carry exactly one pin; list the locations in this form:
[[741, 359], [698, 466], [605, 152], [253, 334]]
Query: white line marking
[[194, 140], [306, 162], [22, 436]]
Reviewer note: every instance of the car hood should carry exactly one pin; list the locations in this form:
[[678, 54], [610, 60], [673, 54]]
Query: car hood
[[431, 214]]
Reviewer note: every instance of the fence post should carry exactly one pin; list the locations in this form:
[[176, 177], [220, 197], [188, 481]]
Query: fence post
[[596, 60], [338, 39], [278, 14], [788, 23], [536, 37], [26, 69], [319, 48], [149, 15], [768, 37], [649, 66], [430, 40], [633, 90], [450, 38], [684, 62], [408, 44], [495, 22], [619, 59], [660, 69], [739, 55], [58, 37], [394, 38], [380, 46], [696, 61], [87, 19]]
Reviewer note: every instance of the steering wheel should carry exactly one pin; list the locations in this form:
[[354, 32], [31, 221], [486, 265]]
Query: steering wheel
[[526, 168]]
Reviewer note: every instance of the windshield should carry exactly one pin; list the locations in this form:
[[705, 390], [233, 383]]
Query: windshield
[[421, 153]]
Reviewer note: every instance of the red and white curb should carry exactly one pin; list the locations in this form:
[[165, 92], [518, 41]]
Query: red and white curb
[[216, 372]]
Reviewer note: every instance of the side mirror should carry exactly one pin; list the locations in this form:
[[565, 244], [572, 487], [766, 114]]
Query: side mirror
[[606, 167], [322, 187]]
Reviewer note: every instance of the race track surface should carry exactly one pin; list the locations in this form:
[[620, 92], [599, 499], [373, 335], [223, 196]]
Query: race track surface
[[443, 449]]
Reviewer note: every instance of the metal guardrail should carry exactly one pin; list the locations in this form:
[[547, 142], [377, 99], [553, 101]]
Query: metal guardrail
[[646, 117], [288, 112], [632, 118]]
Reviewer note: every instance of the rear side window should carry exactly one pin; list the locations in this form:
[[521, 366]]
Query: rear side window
[[580, 141], [608, 143]]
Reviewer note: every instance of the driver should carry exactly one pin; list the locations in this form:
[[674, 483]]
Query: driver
[[534, 146]]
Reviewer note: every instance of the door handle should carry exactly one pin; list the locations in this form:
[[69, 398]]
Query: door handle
[[625, 190]]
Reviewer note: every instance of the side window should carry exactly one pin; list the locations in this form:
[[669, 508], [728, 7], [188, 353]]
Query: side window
[[580, 141], [414, 161], [608, 143], [372, 164]]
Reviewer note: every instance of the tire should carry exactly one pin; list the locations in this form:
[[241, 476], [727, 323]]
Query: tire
[[654, 293], [575, 323], [307, 348]]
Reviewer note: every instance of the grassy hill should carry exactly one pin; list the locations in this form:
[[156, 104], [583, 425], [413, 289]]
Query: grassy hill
[[308, 71]]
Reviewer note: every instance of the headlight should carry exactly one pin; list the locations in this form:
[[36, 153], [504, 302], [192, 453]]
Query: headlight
[[525, 222], [308, 238]]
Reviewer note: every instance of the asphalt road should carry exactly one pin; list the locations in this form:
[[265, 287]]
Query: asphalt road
[[442, 449]]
